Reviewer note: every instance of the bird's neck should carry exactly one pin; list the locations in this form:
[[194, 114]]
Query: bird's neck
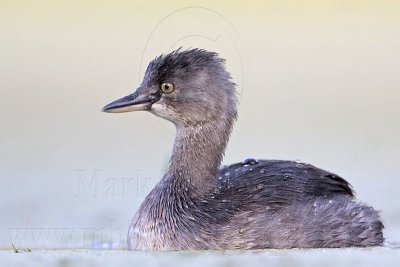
[[197, 154]]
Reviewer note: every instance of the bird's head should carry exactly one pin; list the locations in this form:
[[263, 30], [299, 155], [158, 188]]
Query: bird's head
[[188, 87]]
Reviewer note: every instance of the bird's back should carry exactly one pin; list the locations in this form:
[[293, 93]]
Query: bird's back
[[279, 183], [284, 204]]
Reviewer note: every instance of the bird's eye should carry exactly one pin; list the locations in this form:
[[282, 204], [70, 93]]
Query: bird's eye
[[167, 88]]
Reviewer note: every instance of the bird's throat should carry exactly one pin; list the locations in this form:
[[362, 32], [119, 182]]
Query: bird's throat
[[197, 154]]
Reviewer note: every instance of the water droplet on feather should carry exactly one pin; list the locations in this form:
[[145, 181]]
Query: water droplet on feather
[[249, 161]]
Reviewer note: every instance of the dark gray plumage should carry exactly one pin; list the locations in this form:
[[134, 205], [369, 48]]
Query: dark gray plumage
[[249, 205]]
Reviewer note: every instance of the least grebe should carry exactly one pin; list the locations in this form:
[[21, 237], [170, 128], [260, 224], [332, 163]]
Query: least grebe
[[254, 204]]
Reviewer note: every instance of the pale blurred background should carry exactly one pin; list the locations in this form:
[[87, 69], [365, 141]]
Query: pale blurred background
[[319, 82]]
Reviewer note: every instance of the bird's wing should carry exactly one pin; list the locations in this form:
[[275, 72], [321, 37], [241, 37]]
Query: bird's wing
[[279, 183]]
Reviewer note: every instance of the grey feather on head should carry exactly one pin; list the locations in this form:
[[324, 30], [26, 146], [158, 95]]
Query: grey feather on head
[[204, 90]]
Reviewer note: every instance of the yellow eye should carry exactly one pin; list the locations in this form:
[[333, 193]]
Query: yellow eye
[[167, 88]]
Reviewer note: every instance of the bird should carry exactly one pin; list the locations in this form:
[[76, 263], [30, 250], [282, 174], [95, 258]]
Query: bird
[[254, 204]]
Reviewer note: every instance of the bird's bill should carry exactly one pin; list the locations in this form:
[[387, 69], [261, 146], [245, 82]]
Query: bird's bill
[[132, 102]]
